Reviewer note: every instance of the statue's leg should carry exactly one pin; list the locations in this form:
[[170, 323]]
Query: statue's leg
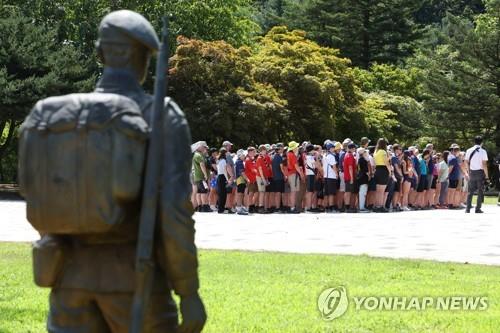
[[74, 311], [161, 315]]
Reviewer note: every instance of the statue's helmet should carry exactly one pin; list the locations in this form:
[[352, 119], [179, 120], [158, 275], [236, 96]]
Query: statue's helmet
[[129, 24]]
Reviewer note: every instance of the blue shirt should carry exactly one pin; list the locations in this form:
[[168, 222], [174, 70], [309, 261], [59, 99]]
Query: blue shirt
[[276, 165], [240, 167], [341, 161], [455, 172], [416, 164], [423, 167]]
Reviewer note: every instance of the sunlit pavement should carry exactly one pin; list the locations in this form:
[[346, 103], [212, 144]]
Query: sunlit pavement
[[439, 235]]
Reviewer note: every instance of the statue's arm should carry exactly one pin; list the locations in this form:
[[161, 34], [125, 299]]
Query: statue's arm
[[177, 224]]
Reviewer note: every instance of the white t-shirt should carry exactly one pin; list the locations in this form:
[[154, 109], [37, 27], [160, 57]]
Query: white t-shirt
[[477, 160], [328, 163], [221, 168], [310, 165]]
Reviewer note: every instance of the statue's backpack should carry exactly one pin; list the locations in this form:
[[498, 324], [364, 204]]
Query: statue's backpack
[[81, 159]]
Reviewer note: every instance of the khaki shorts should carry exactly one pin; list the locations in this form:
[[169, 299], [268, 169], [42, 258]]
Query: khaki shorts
[[252, 188], [294, 183], [261, 184]]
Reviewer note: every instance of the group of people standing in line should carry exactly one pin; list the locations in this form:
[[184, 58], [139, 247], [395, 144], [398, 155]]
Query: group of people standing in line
[[336, 177]]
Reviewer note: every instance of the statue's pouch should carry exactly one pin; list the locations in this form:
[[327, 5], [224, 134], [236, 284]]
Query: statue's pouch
[[48, 260]]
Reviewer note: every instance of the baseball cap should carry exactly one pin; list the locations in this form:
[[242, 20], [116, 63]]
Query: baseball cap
[[454, 146], [338, 145], [227, 143], [329, 145], [351, 145], [365, 140], [347, 141]]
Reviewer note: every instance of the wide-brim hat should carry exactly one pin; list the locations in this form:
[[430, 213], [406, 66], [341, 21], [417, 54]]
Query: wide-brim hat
[[293, 145]]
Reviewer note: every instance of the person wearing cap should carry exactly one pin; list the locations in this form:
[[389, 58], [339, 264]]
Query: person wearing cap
[[201, 177], [476, 159], [295, 174], [97, 282], [310, 165], [330, 174], [364, 142], [212, 196], [231, 181], [278, 181], [241, 182]]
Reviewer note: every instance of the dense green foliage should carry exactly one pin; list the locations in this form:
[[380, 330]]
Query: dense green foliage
[[266, 70]]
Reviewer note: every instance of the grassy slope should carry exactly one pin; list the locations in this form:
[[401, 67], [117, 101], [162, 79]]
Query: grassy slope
[[270, 292]]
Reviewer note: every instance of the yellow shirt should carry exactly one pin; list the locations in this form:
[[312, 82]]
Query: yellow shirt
[[380, 157]]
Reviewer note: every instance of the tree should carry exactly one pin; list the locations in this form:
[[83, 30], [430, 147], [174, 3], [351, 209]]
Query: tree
[[318, 85], [462, 78], [33, 66], [394, 89], [434, 11], [365, 31], [213, 83]]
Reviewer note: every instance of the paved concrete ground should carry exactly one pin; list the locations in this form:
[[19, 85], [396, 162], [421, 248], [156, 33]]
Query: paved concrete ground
[[436, 235]]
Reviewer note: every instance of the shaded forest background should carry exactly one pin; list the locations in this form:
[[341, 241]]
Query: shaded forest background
[[255, 71]]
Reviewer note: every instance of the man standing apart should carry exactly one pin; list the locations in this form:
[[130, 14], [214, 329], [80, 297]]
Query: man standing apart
[[476, 159]]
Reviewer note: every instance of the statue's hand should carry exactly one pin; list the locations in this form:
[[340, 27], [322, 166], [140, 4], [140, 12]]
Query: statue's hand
[[193, 314]]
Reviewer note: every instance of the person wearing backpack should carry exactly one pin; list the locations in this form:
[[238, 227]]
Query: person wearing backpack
[[476, 159], [81, 163]]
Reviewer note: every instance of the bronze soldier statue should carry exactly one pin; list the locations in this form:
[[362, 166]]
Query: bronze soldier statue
[[81, 166]]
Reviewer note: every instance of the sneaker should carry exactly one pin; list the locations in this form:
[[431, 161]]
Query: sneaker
[[231, 211], [293, 211], [364, 210], [479, 211], [467, 211], [241, 211], [261, 210]]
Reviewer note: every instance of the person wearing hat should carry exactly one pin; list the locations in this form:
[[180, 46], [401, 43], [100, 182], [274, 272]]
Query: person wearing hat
[[231, 181], [96, 283], [241, 182], [364, 142], [201, 177], [330, 174], [295, 174]]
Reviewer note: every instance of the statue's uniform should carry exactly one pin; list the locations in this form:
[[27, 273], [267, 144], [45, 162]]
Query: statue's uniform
[[95, 291]]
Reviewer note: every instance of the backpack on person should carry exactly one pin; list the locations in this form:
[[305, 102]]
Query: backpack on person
[[81, 159]]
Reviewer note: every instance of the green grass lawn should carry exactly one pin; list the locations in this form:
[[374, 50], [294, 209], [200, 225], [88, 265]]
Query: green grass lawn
[[274, 292], [489, 200]]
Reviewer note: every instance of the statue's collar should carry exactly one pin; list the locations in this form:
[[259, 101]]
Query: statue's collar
[[118, 80]]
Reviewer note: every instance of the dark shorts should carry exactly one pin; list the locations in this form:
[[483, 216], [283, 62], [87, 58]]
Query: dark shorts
[[350, 187], [201, 188], [397, 187], [319, 187], [434, 182], [241, 188], [229, 188], [331, 186], [278, 185], [423, 184], [269, 188], [310, 183], [453, 183], [372, 185], [381, 175]]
